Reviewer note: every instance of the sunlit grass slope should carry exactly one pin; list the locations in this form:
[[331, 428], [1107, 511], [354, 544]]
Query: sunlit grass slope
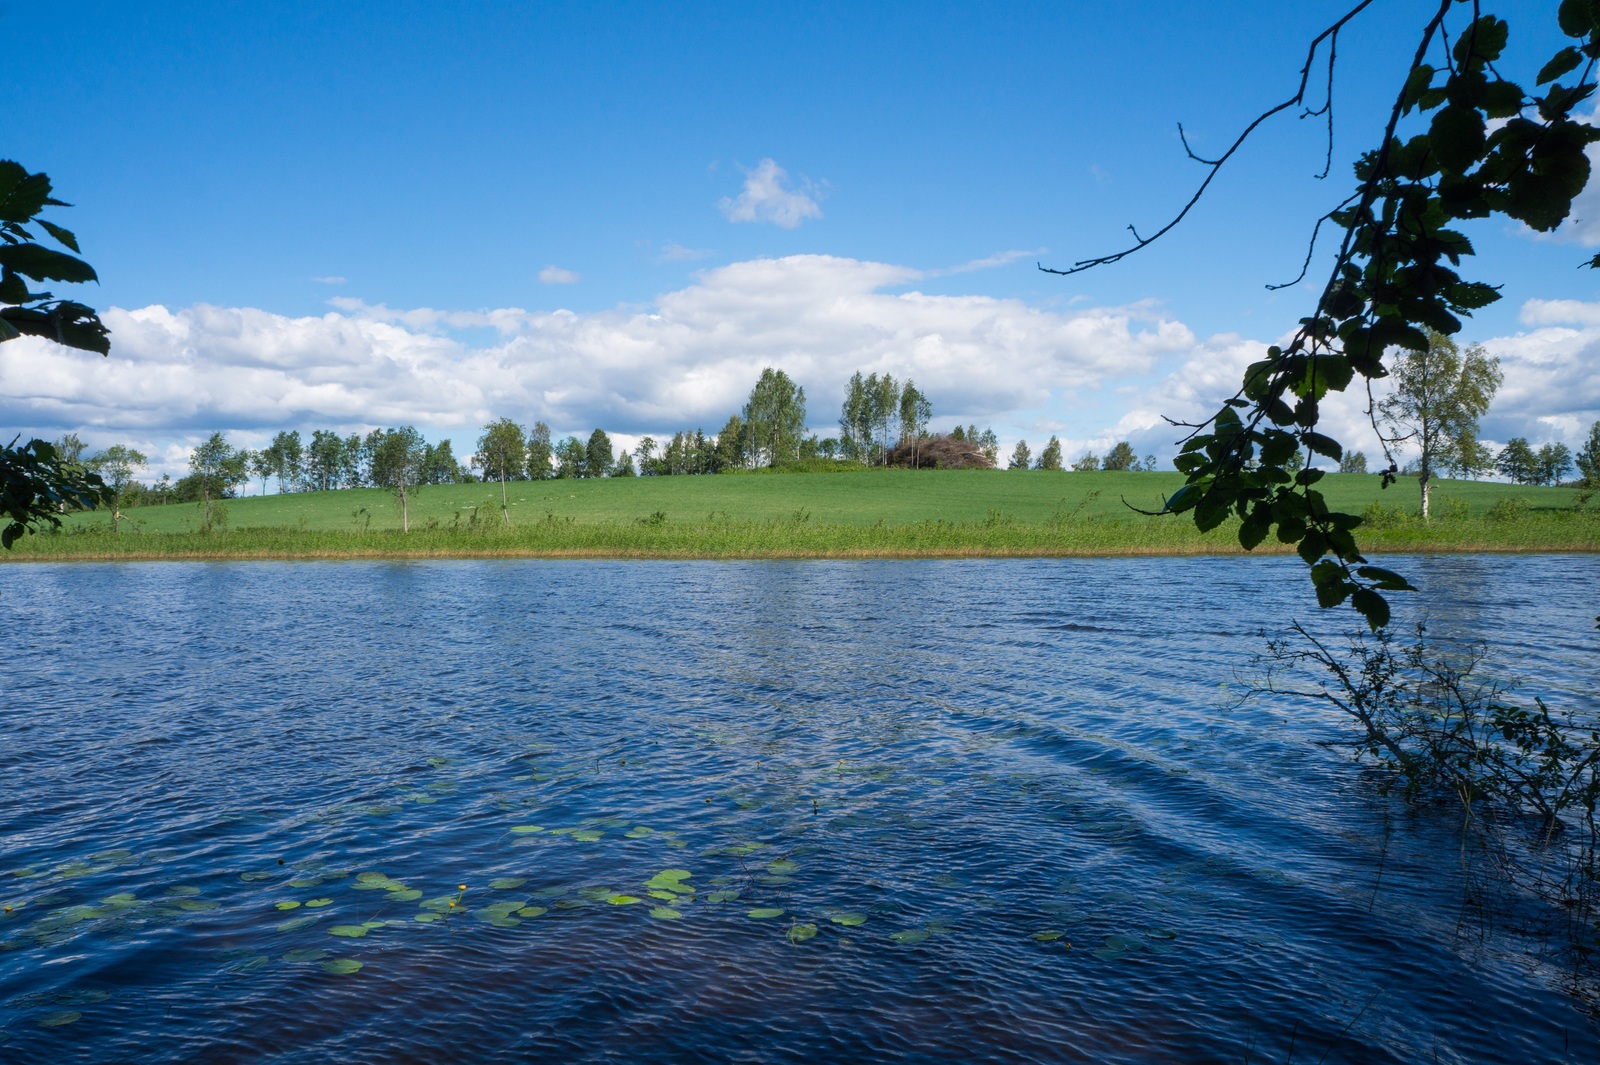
[[894, 512]]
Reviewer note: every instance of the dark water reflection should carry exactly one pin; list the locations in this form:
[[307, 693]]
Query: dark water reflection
[[974, 752]]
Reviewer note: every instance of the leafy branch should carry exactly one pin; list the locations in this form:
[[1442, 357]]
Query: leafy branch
[[1393, 278]]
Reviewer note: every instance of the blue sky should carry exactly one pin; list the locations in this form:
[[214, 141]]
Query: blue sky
[[614, 214]]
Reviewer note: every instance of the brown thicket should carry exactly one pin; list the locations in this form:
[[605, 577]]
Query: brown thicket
[[940, 452]]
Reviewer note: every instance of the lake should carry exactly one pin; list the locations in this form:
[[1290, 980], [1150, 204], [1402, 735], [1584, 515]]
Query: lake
[[996, 811]]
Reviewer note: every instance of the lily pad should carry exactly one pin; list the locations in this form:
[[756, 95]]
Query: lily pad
[[851, 920], [623, 900], [532, 911], [722, 895], [258, 874], [762, 913], [588, 835], [802, 932], [305, 881], [664, 913], [507, 883], [782, 867], [408, 895], [294, 924], [662, 894], [342, 966], [288, 905], [1049, 935], [196, 905], [639, 832], [319, 903], [1161, 933], [183, 890], [59, 1018], [349, 931], [426, 917], [910, 935], [304, 954], [524, 830]]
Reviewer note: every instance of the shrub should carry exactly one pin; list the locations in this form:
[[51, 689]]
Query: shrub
[[1508, 508]]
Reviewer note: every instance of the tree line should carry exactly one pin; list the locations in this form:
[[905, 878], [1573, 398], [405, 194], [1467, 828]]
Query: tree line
[[1440, 394]]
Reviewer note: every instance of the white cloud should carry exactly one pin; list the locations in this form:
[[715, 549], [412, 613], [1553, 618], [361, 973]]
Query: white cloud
[[1092, 375], [677, 253], [766, 198], [332, 279], [555, 275], [689, 360], [988, 262]]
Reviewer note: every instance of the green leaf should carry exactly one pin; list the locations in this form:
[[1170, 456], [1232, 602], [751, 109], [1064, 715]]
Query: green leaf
[[1386, 579], [762, 913], [342, 966], [22, 195], [65, 236], [45, 264], [1576, 18], [1323, 445], [1372, 606], [802, 932], [1252, 532]]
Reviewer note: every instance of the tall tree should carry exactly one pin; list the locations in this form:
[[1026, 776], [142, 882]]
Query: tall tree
[[733, 445], [116, 465], [883, 399], [1020, 456], [541, 453], [1050, 457], [1554, 463], [776, 416], [598, 455], [570, 457], [288, 459], [324, 460], [1089, 463], [217, 467], [1353, 462], [439, 465], [915, 412], [397, 465], [645, 452], [1120, 457], [1440, 393], [262, 463], [502, 450], [1589, 459], [855, 420], [1517, 461]]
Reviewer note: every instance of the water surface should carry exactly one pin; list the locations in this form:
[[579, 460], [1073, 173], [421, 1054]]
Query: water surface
[[1012, 800]]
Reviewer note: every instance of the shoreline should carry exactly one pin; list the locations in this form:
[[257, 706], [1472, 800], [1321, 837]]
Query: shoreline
[[1219, 550]]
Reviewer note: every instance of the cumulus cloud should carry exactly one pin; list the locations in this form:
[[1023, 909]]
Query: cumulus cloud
[[688, 360], [555, 275], [766, 197]]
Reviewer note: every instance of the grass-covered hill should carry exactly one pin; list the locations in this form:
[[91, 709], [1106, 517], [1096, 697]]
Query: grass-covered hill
[[892, 512]]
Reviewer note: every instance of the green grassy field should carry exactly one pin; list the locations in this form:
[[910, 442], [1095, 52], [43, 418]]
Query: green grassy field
[[885, 513]]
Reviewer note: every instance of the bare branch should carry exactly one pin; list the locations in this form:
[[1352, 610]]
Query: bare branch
[[1297, 100]]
